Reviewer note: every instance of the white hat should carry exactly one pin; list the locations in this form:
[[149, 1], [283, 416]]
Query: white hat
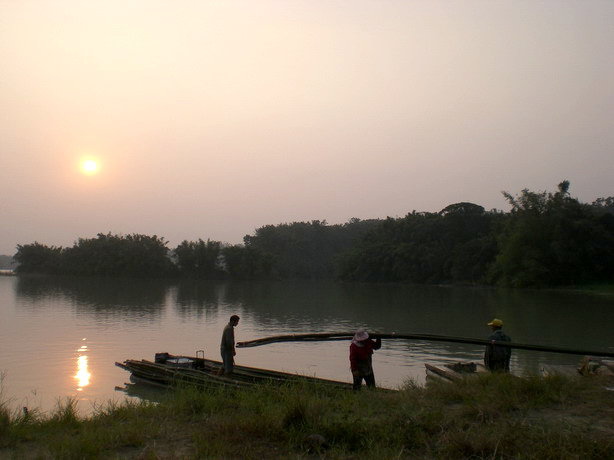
[[361, 335]]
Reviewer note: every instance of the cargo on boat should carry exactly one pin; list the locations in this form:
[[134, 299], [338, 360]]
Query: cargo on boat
[[171, 370]]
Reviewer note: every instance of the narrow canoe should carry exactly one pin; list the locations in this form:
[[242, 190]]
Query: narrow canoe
[[169, 370]]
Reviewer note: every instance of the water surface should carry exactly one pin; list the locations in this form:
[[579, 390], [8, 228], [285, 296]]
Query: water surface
[[60, 337]]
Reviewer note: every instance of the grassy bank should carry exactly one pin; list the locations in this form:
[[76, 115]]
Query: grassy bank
[[494, 416]]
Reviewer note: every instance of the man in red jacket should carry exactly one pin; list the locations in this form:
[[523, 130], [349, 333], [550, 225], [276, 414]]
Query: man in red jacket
[[361, 365]]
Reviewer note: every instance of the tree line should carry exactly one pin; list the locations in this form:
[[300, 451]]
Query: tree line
[[546, 239], [297, 250]]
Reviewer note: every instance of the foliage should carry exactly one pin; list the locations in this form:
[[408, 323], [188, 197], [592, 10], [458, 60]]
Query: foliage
[[605, 205], [547, 239], [199, 259], [493, 416], [553, 239], [305, 249], [246, 262], [130, 255], [105, 255], [456, 244], [38, 258]]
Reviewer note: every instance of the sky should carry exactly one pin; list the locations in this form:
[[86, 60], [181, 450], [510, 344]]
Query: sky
[[209, 119]]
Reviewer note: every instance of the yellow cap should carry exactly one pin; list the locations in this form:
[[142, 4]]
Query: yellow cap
[[496, 322]]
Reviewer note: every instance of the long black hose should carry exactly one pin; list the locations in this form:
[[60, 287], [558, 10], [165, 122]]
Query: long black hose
[[330, 336]]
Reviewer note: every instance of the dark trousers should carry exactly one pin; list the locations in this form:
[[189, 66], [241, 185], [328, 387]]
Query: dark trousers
[[369, 380], [228, 360]]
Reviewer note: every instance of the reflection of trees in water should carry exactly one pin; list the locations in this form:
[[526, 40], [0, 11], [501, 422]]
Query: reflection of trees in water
[[383, 307], [558, 317], [195, 298], [546, 317], [290, 305], [143, 298]]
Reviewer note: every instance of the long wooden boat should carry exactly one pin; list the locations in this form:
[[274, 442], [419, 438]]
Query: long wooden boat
[[172, 370], [452, 372]]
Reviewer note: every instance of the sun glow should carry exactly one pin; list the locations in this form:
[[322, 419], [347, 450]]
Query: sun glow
[[89, 166], [83, 374]]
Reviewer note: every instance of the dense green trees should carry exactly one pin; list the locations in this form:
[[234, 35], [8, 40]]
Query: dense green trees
[[105, 255], [553, 239], [38, 258], [199, 259], [455, 244], [546, 239], [306, 250], [247, 263], [130, 255]]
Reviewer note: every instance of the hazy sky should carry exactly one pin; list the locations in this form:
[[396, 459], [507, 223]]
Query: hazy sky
[[209, 119]]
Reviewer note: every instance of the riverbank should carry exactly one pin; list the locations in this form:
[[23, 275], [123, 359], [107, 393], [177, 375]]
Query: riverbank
[[494, 416]]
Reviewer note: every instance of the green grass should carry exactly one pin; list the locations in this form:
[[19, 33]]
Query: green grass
[[493, 416]]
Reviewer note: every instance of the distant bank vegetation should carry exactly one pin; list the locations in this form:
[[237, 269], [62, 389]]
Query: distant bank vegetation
[[7, 263], [546, 239]]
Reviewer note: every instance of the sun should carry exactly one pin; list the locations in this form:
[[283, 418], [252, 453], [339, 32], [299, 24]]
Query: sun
[[89, 167]]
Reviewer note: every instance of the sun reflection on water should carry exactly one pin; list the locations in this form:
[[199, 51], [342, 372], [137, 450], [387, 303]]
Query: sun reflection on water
[[83, 374]]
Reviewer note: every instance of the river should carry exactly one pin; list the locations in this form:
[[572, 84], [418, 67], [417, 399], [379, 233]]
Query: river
[[60, 337]]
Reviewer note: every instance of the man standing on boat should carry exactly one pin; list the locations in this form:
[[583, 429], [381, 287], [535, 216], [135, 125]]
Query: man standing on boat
[[227, 346], [361, 351], [497, 357]]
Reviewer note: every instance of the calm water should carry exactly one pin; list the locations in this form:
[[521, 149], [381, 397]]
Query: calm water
[[61, 337]]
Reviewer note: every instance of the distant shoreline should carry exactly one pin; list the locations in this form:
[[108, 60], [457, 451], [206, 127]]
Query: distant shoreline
[[591, 288]]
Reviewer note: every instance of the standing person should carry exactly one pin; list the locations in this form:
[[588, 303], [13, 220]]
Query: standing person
[[497, 357], [361, 351], [227, 346]]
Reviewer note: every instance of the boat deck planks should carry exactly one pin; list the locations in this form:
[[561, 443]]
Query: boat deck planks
[[204, 373], [453, 372]]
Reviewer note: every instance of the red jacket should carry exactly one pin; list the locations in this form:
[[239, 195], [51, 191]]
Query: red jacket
[[360, 357]]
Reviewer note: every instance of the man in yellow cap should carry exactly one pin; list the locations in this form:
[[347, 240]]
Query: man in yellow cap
[[497, 357]]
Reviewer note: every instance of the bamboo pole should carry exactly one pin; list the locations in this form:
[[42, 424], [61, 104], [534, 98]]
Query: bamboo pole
[[332, 336]]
